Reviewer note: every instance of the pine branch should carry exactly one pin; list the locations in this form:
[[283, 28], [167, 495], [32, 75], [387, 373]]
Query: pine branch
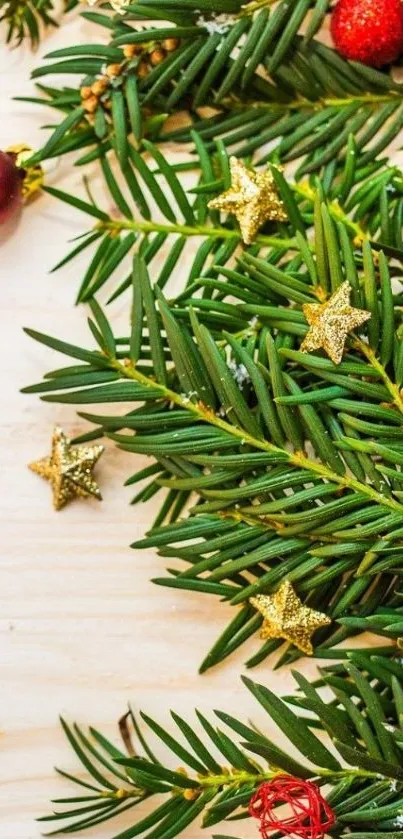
[[27, 18], [179, 216], [182, 218], [361, 771], [283, 87], [267, 508], [273, 464], [385, 621]]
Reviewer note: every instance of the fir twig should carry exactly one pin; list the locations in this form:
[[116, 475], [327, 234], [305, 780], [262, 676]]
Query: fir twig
[[360, 771], [229, 408]]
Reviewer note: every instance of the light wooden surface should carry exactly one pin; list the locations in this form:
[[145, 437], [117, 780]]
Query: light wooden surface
[[82, 629]]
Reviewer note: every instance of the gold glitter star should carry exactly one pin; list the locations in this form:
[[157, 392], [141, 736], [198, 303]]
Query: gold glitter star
[[286, 617], [69, 469], [252, 198], [331, 322]]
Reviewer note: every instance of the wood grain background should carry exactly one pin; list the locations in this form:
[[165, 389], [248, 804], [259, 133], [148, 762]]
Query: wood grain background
[[83, 631]]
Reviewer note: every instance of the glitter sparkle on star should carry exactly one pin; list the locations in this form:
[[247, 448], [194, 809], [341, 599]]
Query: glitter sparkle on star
[[69, 470], [252, 198], [285, 616], [331, 322]]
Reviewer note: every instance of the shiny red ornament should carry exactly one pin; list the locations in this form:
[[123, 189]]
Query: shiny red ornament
[[310, 817], [370, 31], [11, 186]]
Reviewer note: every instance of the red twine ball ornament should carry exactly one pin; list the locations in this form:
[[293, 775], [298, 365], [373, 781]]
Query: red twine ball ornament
[[370, 31], [310, 816], [11, 184]]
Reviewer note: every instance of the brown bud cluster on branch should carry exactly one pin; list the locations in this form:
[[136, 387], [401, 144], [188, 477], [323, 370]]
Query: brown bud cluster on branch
[[140, 59]]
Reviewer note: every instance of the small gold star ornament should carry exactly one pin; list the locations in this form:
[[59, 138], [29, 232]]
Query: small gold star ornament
[[331, 322], [252, 198], [69, 470], [286, 617]]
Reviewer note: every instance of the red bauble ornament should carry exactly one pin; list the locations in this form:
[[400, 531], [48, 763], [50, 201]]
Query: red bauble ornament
[[310, 816], [370, 31], [11, 186]]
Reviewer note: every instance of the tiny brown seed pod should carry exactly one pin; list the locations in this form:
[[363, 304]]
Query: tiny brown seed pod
[[130, 50], [91, 104], [143, 69], [113, 70], [170, 44], [190, 794], [99, 87], [157, 56], [85, 92]]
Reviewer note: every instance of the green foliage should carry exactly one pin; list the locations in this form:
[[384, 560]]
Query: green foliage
[[334, 118], [272, 90], [269, 463], [156, 212], [357, 761], [291, 466], [27, 18]]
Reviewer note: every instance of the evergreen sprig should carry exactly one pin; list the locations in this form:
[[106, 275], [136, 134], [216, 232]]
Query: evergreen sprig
[[357, 763], [154, 208], [272, 90], [292, 466], [270, 463], [27, 18]]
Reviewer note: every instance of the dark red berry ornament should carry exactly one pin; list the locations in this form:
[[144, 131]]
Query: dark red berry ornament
[[11, 183], [370, 31], [310, 816], [20, 179]]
